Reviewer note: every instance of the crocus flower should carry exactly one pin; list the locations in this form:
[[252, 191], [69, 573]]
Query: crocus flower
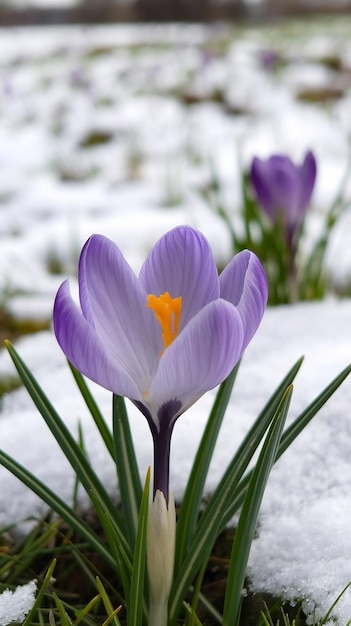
[[161, 339], [164, 338], [284, 190], [269, 58]]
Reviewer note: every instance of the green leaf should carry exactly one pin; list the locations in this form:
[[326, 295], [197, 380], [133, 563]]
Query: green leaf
[[194, 620], [111, 612], [127, 468], [196, 591], [135, 607], [31, 546], [94, 410], [307, 415], [287, 439], [86, 610], [46, 582], [211, 520], [248, 517], [56, 504], [191, 502], [64, 619], [328, 615], [121, 557], [68, 445]]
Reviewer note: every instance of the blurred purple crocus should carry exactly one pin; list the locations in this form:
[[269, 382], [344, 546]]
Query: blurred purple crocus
[[164, 338], [284, 190]]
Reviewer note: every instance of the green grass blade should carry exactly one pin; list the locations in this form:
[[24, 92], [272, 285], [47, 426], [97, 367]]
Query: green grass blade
[[68, 445], [127, 468], [121, 556], [86, 610], [211, 610], [306, 416], [196, 591], [83, 613], [135, 607], [64, 619], [29, 548], [257, 431], [211, 520], [96, 414], [111, 612], [191, 502], [327, 616], [287, 439], [194, 620], [57, 505], [248, 517], [46, 582]]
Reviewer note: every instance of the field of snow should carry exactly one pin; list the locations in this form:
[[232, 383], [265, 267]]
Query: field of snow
[[116, 130]]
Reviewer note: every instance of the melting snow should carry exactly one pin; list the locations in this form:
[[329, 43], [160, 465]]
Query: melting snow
[[57, 86], [15, 605]]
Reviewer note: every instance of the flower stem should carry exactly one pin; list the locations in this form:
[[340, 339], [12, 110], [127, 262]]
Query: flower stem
[[162, 446]]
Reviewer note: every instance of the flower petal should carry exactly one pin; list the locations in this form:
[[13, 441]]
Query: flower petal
[[84, 349], [261, 182], [276, 185], [244, 283], [308, 173], [285, 185], [182, 263], [200, 358], [114, 301]]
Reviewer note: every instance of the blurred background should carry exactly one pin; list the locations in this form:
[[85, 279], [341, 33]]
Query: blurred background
[[129, 117], [58, 11]]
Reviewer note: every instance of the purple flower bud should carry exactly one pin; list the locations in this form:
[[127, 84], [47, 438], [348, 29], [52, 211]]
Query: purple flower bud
[[269, 58], [284, 189]]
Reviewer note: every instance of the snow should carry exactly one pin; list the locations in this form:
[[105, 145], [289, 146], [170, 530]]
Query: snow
[[59, 85], [15, 605]]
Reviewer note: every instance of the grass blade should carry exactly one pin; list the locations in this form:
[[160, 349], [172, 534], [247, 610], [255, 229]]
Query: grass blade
[[46, 582], [57, 505], [94, 410], [211, 520], [120, 555], [28, 548], [68, 445], [194, 620], [306, 416], [111, 612], [127, 468], [64, 619], [135, 608], [288, 437], [248, 517], [328, 615], [86, 610], [189, 510]]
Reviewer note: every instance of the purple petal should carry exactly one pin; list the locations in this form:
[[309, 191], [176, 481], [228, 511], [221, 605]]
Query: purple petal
[[244, 283], [84, 349], [260, 178], [276, 186], [200, 358], [115, 302], [285, 186], [308, 173], [182, 264]]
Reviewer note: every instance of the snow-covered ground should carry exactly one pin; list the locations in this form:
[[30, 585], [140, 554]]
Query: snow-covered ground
[[127, 89]]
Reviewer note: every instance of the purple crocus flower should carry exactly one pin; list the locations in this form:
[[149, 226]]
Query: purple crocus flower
[[166, 337], [284, 190]]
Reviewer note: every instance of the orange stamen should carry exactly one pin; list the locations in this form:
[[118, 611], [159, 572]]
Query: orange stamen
[[167, 311]]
